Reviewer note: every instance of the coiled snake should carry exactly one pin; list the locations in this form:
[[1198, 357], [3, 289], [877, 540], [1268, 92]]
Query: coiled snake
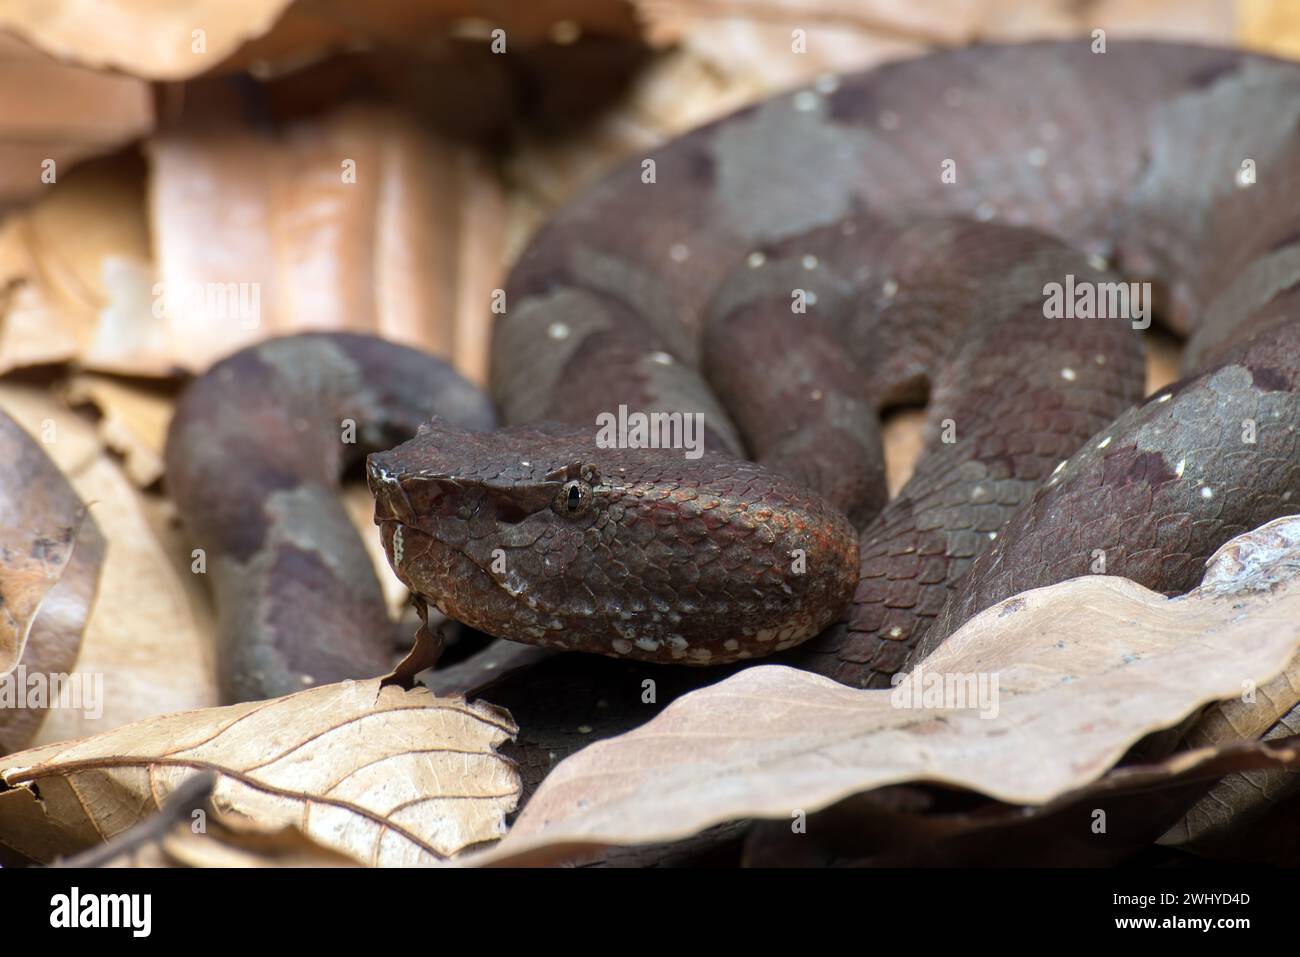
[[928, 228]]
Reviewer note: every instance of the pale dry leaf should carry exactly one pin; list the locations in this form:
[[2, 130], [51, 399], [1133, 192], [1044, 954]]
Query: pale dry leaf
[[383, 775], [81, 254], [185, 833], [234, 846], [79, 113], [157, 39], [359, 222], [142, 651], [1269, 712], [1269, 26], [1072, 676], [133, 421]]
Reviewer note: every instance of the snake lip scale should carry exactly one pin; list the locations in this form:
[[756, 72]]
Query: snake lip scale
[[789, 273]]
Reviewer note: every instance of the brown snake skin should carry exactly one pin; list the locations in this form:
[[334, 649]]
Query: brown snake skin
[[916, 213]]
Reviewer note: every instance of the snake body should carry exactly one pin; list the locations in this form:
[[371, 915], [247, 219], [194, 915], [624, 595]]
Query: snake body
[[916, 214]]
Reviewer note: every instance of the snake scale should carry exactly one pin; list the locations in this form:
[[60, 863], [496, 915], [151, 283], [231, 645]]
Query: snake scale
[[788, 273]]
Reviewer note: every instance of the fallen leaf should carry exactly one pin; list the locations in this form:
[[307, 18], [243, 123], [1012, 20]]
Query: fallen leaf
[[142, 649], [385, 776], [50, 557], [1075, 675], [358, 222], [179, 40], [133, 421], [1269, 712], [79, 113], [81, 258], [161, 41], [186, 833]]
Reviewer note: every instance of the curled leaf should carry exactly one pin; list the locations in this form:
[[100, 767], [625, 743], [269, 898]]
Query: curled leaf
[[382, 775], [1036, 697]]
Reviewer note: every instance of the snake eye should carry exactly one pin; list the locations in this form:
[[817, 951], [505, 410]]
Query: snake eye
[[573, 498]]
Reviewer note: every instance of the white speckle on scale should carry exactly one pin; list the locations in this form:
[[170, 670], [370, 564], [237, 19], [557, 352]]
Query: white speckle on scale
[[1104, 442], [895, 632], [663, 358], [679, 252], [558, 330], [1207, 492], [889, 289], [1068, 375], [815, 395], [809, 261], [1165, 398], [755, 260]]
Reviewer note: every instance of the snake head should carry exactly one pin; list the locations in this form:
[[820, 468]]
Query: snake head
[[537, 534]]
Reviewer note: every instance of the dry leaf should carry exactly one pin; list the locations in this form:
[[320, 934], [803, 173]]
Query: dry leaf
[[142, 649], [186, 833], [78, 113], [1269, 26], [359, 222], [383, 775], [38, 530], [133, 421], [1083, 670], [82, 257], [1270, 712], [50, 557], [236, 845], [178, 39], [162, 39]]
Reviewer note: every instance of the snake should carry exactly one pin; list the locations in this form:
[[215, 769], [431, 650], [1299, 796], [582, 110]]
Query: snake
[[987, 230]]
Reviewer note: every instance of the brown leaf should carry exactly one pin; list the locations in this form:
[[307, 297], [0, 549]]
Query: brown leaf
[[78, 113], [382, 775], [142, 648], [133, 421], [1083, 670], [80, 259], [50, 556], [410, 250], [158, 41]]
